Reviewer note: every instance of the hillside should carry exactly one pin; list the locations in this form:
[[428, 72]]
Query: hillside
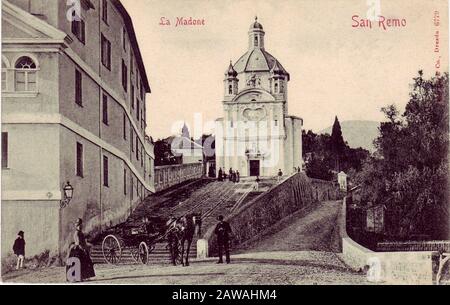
[[358, 133]]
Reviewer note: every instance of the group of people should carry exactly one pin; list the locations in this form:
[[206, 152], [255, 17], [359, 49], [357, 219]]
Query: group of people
[[233, 176], [80, 248]]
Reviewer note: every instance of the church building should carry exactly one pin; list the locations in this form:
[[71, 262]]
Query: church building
[[256, 135]]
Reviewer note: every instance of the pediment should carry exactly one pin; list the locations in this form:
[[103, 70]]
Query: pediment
[[18, 24], [253, 96]]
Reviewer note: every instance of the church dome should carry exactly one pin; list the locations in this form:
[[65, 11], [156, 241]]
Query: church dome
[[256, 25], [259, 60]]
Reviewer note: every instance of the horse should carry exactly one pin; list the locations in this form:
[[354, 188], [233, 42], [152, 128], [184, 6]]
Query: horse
[[187, 235]]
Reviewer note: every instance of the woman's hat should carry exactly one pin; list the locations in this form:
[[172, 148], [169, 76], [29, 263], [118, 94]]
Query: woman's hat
[[220, 218], [21, 233], [79, 221]]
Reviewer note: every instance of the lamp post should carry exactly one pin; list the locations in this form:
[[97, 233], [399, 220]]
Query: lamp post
[[68, 194]]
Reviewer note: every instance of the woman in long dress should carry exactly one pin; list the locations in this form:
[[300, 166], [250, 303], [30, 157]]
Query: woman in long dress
[[80, 250]]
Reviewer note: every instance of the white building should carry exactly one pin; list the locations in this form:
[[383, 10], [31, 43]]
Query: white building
[[256, 135]]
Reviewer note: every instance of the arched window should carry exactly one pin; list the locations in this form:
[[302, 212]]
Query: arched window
[[256, 41], [230, 89], [276, 87], [25, 75]]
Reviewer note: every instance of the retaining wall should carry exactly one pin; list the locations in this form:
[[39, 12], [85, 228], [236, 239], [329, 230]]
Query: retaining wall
[[250, 220], [408, 267]]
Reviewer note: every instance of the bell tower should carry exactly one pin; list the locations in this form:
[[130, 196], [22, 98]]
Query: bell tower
[[256, 35], [231, 81]]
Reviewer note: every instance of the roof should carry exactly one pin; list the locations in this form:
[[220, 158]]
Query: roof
[[256, 25], [259, 60], [230, 71], [134, 44]]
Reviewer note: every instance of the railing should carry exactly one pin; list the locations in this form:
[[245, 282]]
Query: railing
[[170, 175], [439, 246]]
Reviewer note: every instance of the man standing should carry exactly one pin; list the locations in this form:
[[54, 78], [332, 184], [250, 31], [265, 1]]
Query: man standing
[[220, 174], [223, 232], [171, 229], [280, 175], [19, 249]]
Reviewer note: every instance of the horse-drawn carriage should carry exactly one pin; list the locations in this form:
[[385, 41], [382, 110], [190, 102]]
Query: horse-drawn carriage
[[141, 242]]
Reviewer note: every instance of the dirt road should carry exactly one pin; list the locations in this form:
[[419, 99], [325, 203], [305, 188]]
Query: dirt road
[[302, 251]]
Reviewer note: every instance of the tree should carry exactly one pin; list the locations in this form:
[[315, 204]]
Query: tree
[[337, 144], [320, 156], [410, 169]]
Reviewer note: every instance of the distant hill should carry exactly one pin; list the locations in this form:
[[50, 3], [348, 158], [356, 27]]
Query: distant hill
[[358, 133]]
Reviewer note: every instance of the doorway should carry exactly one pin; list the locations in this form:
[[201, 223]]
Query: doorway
[[254, 168]]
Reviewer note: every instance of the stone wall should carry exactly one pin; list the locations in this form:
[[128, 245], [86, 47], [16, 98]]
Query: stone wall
[[293, 194], [322, 190], [170, 175], [410, 267]]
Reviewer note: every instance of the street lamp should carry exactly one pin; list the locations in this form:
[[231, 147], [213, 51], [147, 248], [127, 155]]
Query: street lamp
[[68, 194]]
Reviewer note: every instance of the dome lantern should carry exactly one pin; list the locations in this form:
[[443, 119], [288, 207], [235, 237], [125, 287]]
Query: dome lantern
[[256, 35]]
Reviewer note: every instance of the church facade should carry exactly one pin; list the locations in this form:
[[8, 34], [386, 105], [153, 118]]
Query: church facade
[[256, 135]]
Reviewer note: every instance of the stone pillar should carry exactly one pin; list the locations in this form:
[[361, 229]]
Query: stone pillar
[[202, 248], [342, 180]]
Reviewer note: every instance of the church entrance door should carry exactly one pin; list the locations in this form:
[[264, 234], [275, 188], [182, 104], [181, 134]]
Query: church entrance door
[[254, 168]]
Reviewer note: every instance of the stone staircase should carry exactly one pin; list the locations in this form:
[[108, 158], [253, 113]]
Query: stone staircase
[[211, 198]]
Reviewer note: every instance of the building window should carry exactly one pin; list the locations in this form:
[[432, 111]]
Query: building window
[[124, 127], [132, 96], [132, 139], [26, 75], [105, 11], [105, 171], [256, 41], [124, 39], [276, 122], [78, 88], [106, 52], [276, 87], [124, 181], [131, 188], [138, 106], [137, 148], [124, 76], [80, 164], [79, 29], [132, 64], [105, 109], [4, 150]]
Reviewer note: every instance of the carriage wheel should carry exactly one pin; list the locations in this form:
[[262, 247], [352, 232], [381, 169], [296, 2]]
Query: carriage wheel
[[112, 250], [143, 253], [135, 254]]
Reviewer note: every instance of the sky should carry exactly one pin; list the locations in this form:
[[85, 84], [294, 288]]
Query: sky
[[335, 69]]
